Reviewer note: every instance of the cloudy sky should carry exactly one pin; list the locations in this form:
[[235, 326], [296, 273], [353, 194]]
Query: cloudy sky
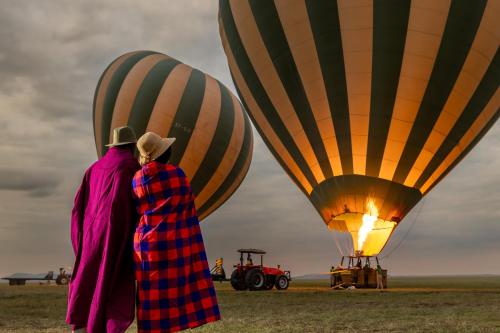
[[51, 56]]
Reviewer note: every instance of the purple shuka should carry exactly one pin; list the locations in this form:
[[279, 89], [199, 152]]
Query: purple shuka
[[102, 288]]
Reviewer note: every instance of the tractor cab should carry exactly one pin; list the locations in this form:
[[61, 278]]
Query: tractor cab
[[249, 260]]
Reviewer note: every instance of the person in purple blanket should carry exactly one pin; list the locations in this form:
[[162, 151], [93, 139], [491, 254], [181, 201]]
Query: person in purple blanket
[[101, 294]]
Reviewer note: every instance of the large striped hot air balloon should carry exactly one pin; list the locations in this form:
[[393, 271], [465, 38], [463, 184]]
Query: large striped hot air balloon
[[367, 105], [150, 91]]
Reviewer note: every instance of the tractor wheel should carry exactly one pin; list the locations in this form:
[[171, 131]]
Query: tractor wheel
[[282, 282], [255, 279], [62, 281], [236, 282]]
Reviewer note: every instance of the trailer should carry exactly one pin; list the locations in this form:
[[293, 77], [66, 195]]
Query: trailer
[[20, 279]]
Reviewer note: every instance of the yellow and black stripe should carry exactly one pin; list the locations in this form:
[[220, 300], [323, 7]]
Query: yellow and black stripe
[[365, 100], [150, 91]]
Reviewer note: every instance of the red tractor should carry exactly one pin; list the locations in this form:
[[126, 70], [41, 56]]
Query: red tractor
[[258, 277]]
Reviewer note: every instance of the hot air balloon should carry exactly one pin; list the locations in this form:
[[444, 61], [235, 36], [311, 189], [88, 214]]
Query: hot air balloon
[[150, 91], [366, 105]]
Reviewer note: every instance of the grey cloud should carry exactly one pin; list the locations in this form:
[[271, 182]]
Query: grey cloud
[[37, 184], [61, 48]]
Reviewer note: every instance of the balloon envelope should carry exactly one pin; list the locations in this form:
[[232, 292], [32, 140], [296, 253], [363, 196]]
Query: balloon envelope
[[150, 91], [367, 105]]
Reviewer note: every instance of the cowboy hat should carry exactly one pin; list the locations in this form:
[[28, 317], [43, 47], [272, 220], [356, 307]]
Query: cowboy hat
[[151, 146], [122, 136]]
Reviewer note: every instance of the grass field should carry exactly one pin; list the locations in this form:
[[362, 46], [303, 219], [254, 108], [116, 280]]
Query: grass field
[[426, 304]]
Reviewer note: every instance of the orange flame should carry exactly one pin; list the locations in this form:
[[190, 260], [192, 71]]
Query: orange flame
[[368, 223]]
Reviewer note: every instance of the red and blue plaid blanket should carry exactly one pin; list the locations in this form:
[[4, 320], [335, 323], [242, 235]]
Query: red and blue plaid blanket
[[175, 290]]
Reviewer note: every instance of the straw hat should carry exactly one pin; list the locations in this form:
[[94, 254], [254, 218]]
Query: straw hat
[[151, 146], [122, 136]]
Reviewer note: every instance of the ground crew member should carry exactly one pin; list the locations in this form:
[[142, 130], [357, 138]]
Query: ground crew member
[[366, 272], [380, 284], [333, 278]]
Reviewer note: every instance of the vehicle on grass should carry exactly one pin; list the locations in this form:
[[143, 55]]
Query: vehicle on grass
[[19, 279], [250, 276], [247, 275]]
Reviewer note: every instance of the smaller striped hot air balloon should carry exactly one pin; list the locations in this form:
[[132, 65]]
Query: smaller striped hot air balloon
[[150, 91]]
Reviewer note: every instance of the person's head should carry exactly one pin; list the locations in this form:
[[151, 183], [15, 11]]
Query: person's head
[[153, 147], [123, 138], [165, 157]]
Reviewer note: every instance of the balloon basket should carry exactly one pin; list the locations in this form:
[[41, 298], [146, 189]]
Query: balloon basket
[[358, 272]]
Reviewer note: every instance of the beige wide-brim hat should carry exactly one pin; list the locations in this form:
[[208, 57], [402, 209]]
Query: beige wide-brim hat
[[151, 146], [123, 136]]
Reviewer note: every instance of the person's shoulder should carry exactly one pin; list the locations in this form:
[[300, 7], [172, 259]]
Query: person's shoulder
[[132, 165], [127, 161], [137, 178], [126, 169], [90, 170], [94, 165], [138, 174], [175, 169]]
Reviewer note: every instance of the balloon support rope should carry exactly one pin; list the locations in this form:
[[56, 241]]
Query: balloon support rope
[[407, 231]]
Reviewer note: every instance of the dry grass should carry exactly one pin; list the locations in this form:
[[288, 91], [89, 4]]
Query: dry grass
[[430, 304]]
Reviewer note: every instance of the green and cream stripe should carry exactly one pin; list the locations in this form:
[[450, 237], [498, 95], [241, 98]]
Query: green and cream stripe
[[362, 99], [150, 91]]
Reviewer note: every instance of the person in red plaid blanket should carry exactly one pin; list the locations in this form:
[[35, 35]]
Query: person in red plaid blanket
[[174, 286]]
